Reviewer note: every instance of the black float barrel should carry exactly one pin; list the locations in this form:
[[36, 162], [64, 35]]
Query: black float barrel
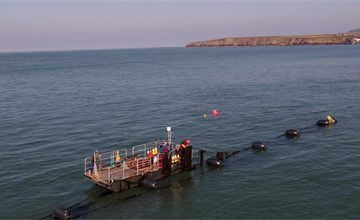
[[257, 145], [292, 133], [214, 162], [149, 183], [322, 123], [61, 213]]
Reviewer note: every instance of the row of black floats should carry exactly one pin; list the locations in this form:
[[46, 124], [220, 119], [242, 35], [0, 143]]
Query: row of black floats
[[293, 133], [258, 145]]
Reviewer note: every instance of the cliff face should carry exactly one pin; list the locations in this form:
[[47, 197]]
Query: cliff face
[[278, 41], [355, 31]]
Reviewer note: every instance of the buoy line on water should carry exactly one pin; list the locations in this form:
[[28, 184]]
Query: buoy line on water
[[81, 208], [261, 146]]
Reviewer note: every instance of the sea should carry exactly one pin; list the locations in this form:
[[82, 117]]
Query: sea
[[57, 108]]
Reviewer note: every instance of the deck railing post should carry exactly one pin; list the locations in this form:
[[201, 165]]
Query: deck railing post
[[123, 168], [137, 166]]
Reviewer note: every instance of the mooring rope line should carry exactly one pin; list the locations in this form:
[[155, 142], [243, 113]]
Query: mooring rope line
[[77, 204]]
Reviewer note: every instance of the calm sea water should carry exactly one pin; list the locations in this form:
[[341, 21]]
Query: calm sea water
[[56, 108]]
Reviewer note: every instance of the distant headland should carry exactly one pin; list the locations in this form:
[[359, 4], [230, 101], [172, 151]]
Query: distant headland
[[350, 37]]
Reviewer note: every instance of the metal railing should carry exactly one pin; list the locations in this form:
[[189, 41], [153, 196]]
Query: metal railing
[[140, 150], [107, 160], [104, 160]]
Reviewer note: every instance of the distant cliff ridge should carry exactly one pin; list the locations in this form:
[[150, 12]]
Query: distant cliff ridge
[[325, 39], [355, 31]]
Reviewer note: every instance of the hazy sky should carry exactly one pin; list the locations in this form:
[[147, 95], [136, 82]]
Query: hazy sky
[[27, 25]]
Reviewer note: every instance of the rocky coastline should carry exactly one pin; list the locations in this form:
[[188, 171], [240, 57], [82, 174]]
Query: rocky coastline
[[324, 39]]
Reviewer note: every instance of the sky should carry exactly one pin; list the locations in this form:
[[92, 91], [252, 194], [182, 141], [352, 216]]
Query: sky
[[43, 25]]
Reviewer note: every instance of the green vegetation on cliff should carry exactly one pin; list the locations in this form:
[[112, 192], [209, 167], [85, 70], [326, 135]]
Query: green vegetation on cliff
[[324, 39]]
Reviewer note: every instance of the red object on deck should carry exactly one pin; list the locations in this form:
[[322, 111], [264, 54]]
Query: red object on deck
[[161, 160]]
